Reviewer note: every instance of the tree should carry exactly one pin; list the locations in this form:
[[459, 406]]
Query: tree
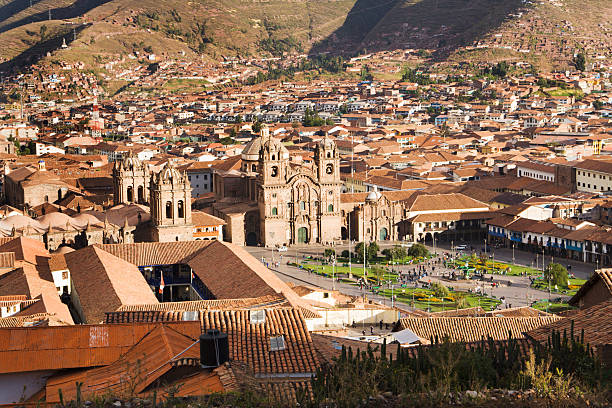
[[418, 250], [329, 252], [580, 62], [370, 250], [597, 105], [373, 249], [226, 141], [394, 253], [556, 274], [440, 291], [256, 127]]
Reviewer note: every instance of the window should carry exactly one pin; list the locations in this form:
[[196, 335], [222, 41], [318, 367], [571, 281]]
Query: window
[[65, 275], [274, 211], [181, 209], [277, 343], [330, 208], [303, 205], [257, 316], [168, 209], [274, 171]]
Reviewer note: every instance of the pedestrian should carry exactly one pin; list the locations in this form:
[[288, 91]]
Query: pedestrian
[[372, 330], [380, 325]]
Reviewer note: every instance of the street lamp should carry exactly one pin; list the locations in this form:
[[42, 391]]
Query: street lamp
[[513, 253]]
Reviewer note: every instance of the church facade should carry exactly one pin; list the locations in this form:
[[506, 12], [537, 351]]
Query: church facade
[[283, 202], [167, 193]]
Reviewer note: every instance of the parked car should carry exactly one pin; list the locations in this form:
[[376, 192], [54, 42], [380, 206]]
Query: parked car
[[461, 247], [282, 248]]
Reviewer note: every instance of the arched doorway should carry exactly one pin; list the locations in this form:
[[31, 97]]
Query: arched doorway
[[141, 197], [251, 239], [383, 234], [344, 233], [130, 194], [302, 235]]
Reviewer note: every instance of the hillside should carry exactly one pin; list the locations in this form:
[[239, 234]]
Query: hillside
[[455, 29]]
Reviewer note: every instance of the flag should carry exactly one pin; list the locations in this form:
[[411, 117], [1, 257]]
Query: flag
[[162, 285]]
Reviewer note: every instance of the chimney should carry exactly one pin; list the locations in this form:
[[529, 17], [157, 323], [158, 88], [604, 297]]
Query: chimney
[[214, 349]]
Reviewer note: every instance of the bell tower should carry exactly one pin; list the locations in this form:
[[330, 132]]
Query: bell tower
[[170, 198], [327, 161], [273, 160], [327, 164]]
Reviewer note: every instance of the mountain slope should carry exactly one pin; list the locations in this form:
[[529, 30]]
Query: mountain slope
[[454, 29]]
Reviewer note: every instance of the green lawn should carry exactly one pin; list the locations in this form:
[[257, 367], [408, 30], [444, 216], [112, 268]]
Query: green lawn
[[575, 284], [553, 307]]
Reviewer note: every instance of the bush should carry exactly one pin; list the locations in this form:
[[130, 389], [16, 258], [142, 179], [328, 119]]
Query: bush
[[344, 254]]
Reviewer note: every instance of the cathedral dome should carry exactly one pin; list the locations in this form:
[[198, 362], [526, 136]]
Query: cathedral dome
[[373, 195], [251, 150]]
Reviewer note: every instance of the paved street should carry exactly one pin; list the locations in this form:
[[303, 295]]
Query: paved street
[[515, 289]]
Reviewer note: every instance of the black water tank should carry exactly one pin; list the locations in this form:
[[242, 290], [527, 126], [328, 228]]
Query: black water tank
[[214, 348]]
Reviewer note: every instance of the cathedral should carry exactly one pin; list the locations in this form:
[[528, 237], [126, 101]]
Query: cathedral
[[276, 201]]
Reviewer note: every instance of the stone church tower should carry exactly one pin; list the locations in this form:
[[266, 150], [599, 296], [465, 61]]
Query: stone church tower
[[170, 202], [327, 163], [130, 181]]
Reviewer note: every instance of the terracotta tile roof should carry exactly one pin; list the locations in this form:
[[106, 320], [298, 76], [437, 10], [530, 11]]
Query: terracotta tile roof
[[605, 275], [155, 253], [250, 343], [443, 202], [7, 259], [150, 358], [523, 311], [200, 218], [105, 282], [596, 321], [25, 249], [216, 304], [35, 282], [59, 347], [40, 319], [472, 311], [473, 328]]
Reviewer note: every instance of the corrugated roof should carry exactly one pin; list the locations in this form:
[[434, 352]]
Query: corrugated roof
[[142, 364], [59, 347]]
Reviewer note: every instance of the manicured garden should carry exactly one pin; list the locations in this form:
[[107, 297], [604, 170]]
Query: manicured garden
[[430, 299], [480, 265]]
